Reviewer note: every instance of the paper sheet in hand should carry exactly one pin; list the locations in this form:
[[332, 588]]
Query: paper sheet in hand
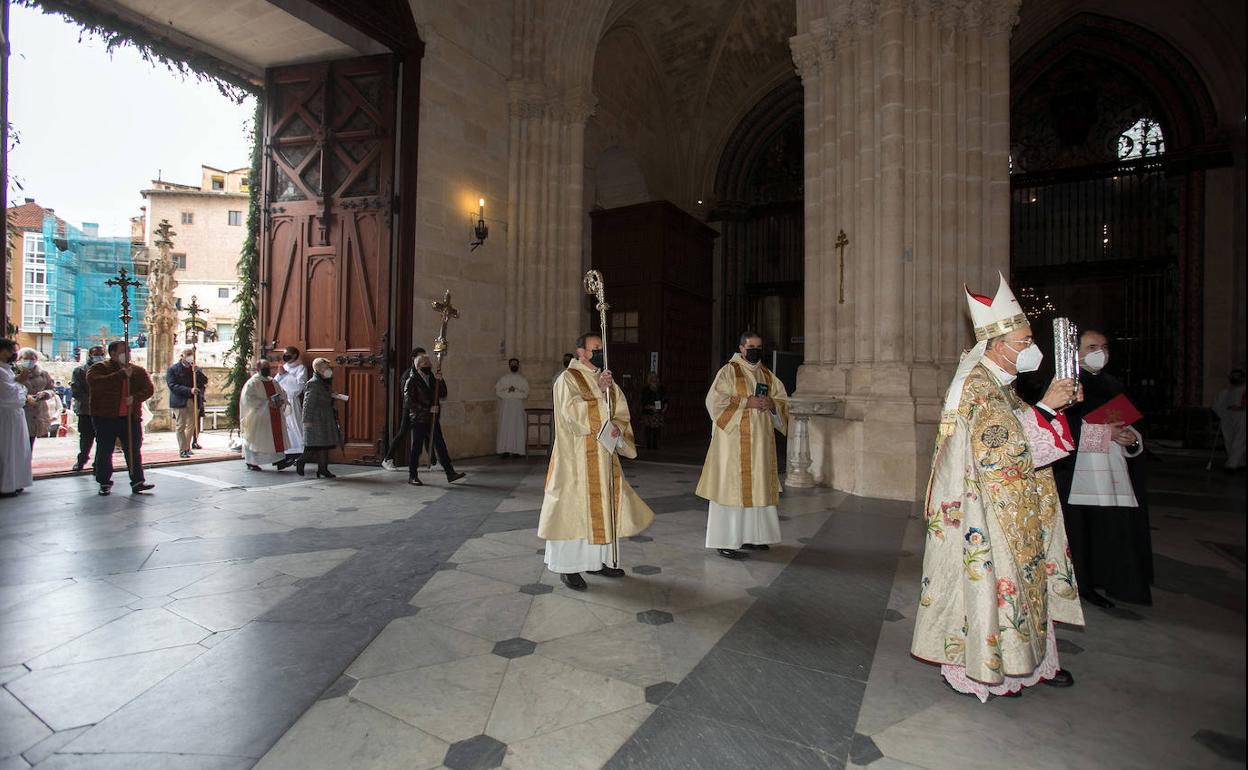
[[1117, 409], [605, 438]]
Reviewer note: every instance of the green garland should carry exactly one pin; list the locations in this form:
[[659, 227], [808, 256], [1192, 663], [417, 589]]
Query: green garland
[[247, 298], [154, 48]]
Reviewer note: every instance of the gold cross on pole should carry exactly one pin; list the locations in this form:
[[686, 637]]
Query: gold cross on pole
[[448, 312], [841, 242]]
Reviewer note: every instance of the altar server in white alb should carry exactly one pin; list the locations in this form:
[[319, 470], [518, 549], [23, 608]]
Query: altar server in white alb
[[588, 504], [262, 409], [512, 389], [747, 404], [292, 375]]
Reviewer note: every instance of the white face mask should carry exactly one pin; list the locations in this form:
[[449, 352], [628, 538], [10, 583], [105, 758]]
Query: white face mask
[[97, 359], [1029, 358], [1095, 361], [328, 374], [27, 363]]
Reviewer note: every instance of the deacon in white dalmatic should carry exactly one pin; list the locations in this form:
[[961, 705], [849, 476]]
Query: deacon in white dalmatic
[[740, 477], [588, 504], [262, 409], [512, 389], [292, 375]]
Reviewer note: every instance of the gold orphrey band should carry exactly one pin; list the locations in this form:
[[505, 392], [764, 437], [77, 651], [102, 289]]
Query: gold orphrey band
[[997, 328]]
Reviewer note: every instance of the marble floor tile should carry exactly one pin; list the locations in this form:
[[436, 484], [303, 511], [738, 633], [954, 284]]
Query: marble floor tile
[[676, 740], [494, 617], [451, 701], [11, 595], [80, 597], [342, 733], [163, 581], [481, 548], [139, 631], [224, 612], [551, 617], [677, 593], [540, 696], [143, 762], [85, 693], [306, 565], [520, 570], [50, 745], [454, 586], [586, 745], [414, 642], [813, 708], [9, 673], [629, 652], [19, 728], [237, 576], [27, 639], [525, 537]]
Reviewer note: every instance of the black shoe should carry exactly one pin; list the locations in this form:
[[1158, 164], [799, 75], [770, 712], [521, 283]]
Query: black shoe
[[611, 572], [142, 486], [574, 581], [752, 547], [283, 464], [453, 477], [729, 553], [251, 467], [196, 446], [77, 466], [320, 474], [299, 467], [184, 453], [416, 482], [1063, 678], [1096, 600], [106, 490]]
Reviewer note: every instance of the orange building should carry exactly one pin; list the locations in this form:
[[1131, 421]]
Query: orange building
[[29, 311]]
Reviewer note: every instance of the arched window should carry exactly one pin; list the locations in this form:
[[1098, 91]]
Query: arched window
[[1142, 140]]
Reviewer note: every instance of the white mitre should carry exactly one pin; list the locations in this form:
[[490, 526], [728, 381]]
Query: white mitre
[[997, 316], [992, 318]]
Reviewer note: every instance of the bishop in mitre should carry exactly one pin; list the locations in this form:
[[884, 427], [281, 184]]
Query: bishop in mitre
[[262, 408], [996, 570], [588, 505], [740, 478]]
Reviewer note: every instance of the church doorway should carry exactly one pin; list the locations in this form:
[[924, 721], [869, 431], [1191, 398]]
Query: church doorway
[[759, 199]]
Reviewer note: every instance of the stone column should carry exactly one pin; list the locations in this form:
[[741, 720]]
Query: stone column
[[161, 319], [545, 212], [907, 142]]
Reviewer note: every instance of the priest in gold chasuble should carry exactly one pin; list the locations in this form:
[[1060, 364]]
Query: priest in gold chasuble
[[740, 477], [996, 568], [588, 504]]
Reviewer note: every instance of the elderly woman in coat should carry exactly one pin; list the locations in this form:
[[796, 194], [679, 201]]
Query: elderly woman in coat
[[41, 398], [320, 422]]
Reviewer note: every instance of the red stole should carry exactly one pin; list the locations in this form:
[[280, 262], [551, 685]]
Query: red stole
[[275, 416]]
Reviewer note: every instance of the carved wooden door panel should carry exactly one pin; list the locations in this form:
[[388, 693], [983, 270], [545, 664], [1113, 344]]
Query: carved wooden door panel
[[326, 266]]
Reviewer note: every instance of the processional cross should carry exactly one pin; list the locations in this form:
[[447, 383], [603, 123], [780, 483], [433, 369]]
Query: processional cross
[[193, 325], [448, 312], [841, 242]]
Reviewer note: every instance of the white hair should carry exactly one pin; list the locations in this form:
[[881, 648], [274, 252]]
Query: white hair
[[27, 352]]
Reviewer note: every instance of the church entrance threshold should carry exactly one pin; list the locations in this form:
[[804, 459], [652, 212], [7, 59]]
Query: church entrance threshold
[[56, 456]]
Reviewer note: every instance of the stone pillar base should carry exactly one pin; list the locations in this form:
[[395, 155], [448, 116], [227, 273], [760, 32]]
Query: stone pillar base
[[878, 442]]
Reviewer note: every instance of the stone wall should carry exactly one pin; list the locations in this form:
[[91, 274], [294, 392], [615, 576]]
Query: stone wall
[[463, 156]]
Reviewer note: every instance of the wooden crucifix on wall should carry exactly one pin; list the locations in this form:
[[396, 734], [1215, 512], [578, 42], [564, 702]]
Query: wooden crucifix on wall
[[841, 242]]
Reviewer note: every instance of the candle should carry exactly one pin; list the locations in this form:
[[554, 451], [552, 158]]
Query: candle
[[481, 209]]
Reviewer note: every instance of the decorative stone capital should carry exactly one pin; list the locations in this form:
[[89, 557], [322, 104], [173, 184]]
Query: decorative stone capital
[[811, 49], [574, 108]]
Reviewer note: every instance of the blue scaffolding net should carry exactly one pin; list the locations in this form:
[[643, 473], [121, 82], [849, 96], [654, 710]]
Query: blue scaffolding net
[[85, 310]]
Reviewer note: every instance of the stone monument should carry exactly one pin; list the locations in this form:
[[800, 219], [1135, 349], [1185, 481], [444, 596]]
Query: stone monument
[[161, 320]]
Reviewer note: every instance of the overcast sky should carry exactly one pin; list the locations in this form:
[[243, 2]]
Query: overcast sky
[[95, 128]]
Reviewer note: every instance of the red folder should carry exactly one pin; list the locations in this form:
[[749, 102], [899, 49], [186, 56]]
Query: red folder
[[1117, 409]]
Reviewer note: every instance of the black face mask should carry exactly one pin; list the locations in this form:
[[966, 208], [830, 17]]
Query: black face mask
[[288, 357], [514, 368], [753, 355], [595, 358], [427, 369], [264, 371]]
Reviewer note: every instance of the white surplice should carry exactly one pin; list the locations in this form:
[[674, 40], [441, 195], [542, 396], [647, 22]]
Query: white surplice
[[568, 556], [260, 444], [15, 470], [512, 389], [293, 379]]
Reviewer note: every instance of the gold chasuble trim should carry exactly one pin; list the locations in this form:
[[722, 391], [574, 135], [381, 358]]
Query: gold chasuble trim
[[597, 521], [725, 416], [747, 458]]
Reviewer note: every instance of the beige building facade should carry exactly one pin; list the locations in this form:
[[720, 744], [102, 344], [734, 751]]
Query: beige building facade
[[209, 220]]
